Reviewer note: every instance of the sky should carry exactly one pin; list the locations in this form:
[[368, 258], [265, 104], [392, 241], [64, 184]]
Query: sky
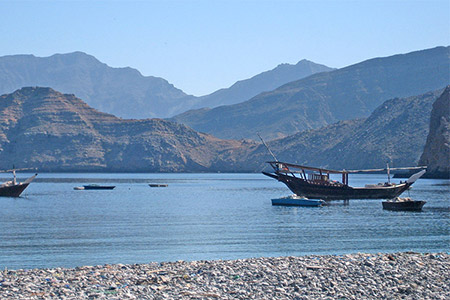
[[202, 46]]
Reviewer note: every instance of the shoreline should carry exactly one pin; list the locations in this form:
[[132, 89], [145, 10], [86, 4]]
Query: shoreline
[[404, 275]]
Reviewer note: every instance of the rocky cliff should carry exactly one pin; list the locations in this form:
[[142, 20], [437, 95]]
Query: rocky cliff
[[51, 131], [436, 154]]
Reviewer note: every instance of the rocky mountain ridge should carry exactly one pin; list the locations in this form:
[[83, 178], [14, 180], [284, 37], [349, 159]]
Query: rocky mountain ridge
[[395, 132], [267, 81], [51, 131]]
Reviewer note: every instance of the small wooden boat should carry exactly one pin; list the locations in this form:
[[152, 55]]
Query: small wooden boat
[[295, 200], [157, 185], [98, 187], [403, 204]]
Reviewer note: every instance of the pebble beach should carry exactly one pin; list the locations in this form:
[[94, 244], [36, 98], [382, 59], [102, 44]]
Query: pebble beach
[[404, 275]]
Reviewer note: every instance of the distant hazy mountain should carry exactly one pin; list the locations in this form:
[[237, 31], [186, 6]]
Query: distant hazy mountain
[[267, 81], [436, 154], [123, 92], [45, 129], [325, 98], [395, 132]]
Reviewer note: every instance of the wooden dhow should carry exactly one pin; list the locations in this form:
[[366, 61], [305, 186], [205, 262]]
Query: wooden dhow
[[314, 182]]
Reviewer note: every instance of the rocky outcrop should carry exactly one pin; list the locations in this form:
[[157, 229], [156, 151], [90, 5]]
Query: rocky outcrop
[[51, 131], [436, 154]]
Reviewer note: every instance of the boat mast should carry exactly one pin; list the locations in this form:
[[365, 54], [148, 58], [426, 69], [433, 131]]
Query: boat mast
[[268, 149], [388, 173]]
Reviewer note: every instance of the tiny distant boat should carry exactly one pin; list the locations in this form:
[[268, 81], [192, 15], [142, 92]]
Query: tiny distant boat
[[13, 188], [78, 188], [157, 185], [295, 200], [98, 187], [403, 204]]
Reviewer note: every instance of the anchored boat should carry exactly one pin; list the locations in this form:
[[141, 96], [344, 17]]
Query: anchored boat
[[403, 204], [315, 183], [13, 188], [98, 187]]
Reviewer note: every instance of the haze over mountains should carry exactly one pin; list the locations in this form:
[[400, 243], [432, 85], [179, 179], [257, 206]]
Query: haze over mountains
[[121, 91], [325, 98], [124, 92], [267, 81]]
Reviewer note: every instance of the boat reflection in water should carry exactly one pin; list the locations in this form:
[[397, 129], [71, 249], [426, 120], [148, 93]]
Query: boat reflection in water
[[295, 200]]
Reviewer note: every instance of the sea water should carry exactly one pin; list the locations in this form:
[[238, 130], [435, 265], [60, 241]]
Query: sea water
[[203, 217]]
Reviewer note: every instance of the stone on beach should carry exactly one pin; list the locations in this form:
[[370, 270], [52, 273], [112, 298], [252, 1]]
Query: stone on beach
[[352, 276]]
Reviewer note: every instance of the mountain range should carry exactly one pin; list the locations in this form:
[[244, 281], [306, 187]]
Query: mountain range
[[51, 131], [44, 128], [325, 98], [125, 92]]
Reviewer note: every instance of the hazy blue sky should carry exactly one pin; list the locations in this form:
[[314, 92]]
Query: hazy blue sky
[[201, 46]]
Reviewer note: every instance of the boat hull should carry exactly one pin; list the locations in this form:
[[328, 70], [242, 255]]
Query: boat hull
[[304, 188], [13, 190], [404, 206], [292, 201], [100, 187]]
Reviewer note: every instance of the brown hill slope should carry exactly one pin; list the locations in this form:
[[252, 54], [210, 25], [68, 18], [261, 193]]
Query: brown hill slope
[[42, 128]]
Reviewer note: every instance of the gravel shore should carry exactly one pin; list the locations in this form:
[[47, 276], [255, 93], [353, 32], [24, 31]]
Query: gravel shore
[[354, 276]]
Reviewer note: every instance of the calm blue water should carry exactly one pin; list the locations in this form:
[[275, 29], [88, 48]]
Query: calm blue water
[[203, 216]]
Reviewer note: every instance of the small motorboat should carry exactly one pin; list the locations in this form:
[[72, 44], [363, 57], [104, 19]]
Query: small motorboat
[[403, 204], [98, 187], [79, 188], [157, 185], [295, 200]]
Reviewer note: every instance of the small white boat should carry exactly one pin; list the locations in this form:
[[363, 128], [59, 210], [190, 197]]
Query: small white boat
[[79, 188], [295, 200]]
